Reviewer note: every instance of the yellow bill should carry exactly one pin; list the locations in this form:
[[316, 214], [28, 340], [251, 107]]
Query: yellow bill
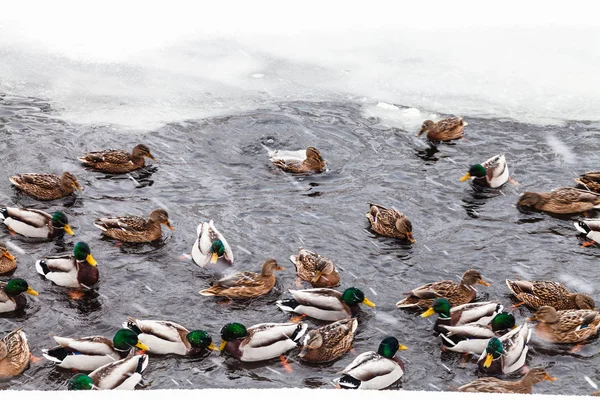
[[223, 344], [214, 258], [484, 283], [91, 260], [8, 255], [549, 378], [368, 302], [488, 361], [465, 177], [169, 225], [430, 311], [317, 277], [32, 292], [402, 347], [69, 230], [212, 346], [142, 346]]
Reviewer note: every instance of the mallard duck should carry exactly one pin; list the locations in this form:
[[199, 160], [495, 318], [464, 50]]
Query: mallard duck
[[245, 285], [92, 352], [301, 161], [372, 370], [210, 242], [260, 342], [117, 161], [495, 385], [8, 262], [46, 186], [35, 223], [591, 229], [123, 374], [507, 353], [492, 173], [455, 293], [329, 342], [325, 304], [165, 337], [11, 294], [77, 270], [316, 269], [590, 180], [14, 354], [389, 222], [561, 201], [535, 294], [446, 129], [565, 326], [134, 229], [481, 313]]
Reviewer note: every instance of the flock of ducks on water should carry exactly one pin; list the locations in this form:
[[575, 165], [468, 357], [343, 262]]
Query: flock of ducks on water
[[482, 329]]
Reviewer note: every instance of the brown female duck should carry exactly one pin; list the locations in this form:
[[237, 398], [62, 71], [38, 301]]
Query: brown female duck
[[329, 342], [14, 354], [495, 385], [561, 201], [389, 222], [8, 262], [590, 180], [299, 161], [535, 294], [316, 269], [46, 186], [117, 161], [566, 326], [446, 129], [134, 229]]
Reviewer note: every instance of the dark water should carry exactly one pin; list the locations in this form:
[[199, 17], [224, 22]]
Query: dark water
[[219, 169]]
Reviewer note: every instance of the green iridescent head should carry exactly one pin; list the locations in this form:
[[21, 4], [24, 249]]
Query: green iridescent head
[[503, 321], [476, 171], [82, 252], [60, 221], [217, 249], [232, 331], [80, 382], [440, 306], [494, 350], [389, 346], [353, 296], [125, 339], [200, 340], [16, 286]]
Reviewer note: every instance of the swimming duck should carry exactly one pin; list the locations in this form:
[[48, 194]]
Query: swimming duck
[[8, 262], [165, 337], [329, 342], [260, 342], [561, 201], [316, 269], [210, 242], [117, 161], [507, 353], [325, 304], [495, 385], [11, 294], [480, 313], [535, 294], [123, 374], [455, 293], [77, 270], [372, 370], [389, 222], [301, 161], [492, 173], [35, 223], [565, 326], [446, 129], [14, 354], [591, 229], [590, 180], [46, 186], [134, 229], [245, 285]]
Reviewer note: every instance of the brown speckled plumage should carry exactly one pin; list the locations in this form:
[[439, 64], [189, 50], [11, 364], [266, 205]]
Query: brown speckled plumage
[[329, 342], [133, 228], [389, 222], [313, 162], [590, 180], [561, 201], [546, 293], [309, 264], [46, 186], [14, 354], [8, 262], [446, 129], [566, 326], [495, 385], [117, 161]]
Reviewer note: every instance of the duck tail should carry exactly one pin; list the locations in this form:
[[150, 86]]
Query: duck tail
[[299, 332], [142, 363], [3, 213], [132, 324], [41, 267], [348, 382], [57, 354], [287, 304]]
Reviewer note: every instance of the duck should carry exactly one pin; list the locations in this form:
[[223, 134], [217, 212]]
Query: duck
[[46, 186], [117, 161], [329, 342], [35, 223], [77, 270], [8, 262], [301, 161], [325, 304], [374, 370], [480, 313], [535, 294], [245, 285], [262, 341], [389, 222], [122, 374], [446, 129], [493, 173], [210, 245], [455, 293], [507, 353], [14, 354], [316, 269], [565, 326], [495, 385], [11, 295], [590, 180], [92, 352], [134, 229], [563, 200], [591, 229], [166, 337]]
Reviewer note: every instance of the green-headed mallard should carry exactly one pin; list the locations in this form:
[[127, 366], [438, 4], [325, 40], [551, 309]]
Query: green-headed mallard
[[325, 304], [535, 294], [566, 326], [481, 313], [77, 270], [507, 353], [123, 374], [389, 222], [260, 342], [11, 294], [245, 285], [446, 129], [134, 229], [590, 180], [301, 161], [561, 201], [14, 354], [35, 223], [46, 186], [375, 371], [495, 385], [591, 229], [8, 262], [329, 342], [117, 161], [210, 245], [165, 337], [455, 293], [316, 269], [492, 173], [92, 352]]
